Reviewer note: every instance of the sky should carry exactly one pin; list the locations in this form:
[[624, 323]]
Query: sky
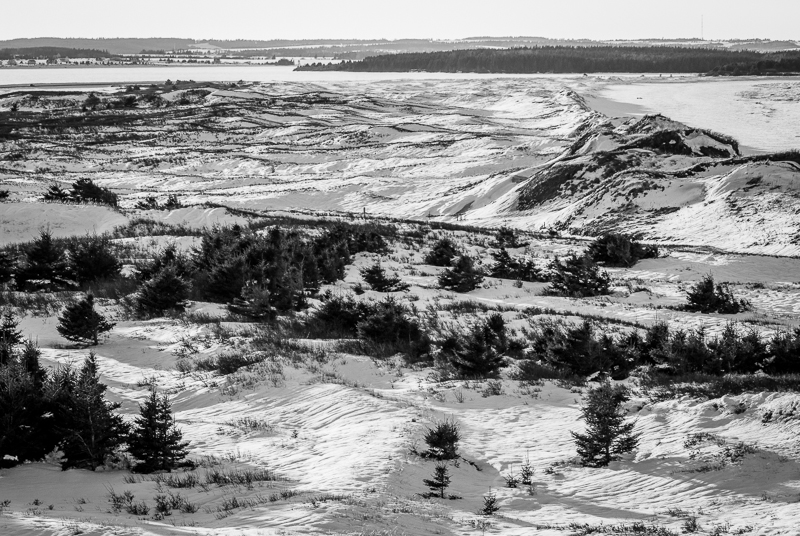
[[368, 19]]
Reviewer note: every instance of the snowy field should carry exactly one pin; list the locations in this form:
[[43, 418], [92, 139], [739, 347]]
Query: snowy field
[[344, 431], [762, 113]]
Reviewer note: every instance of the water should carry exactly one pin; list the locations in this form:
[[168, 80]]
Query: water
[[25, 76]]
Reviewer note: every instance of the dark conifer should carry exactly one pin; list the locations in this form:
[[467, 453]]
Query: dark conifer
[[443, 440], [707, 297], [578, 277], [464, 276], [81, 323], [615, 249], [44, 264], [439, 481], [26, 423], [164, 292], [504, 266], [442, 253], [155, 439], [254, 302], [56, 193], [91, 259], [8, 266], [375, 276], [490, 505], [9, 334], [507, 237], [92, 431], [607, 435]]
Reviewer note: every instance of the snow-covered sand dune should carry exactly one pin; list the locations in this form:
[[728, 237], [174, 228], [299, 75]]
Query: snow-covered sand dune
[[443, 149]]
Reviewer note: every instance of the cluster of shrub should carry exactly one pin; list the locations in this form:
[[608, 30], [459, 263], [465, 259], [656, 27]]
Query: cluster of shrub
[[581, 350], [575, 275], [258, 273], [48, 263], [151, 203], [82, 191], [388, 327], [66, 409]]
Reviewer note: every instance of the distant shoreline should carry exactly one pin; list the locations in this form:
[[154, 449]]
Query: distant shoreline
[[129, 66]]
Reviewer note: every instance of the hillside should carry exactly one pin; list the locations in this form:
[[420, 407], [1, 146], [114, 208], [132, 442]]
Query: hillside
[[489, 153], [315, 276]]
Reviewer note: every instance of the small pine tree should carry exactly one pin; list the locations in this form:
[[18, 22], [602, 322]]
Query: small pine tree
[[375, 276], [91, 430], [490, 505], [504, 266], [479, 353], [440, 480], [8, 266], [442, 253], [254, 302], [155, 439], [615, 249], [81, 323], [526, 472], [443, 440], [56, 193], [91, 259], [708, 297], [607, 435], [164, 292], [506, 237], [44, 265], [9, 333], [577, 277], [464, 276]]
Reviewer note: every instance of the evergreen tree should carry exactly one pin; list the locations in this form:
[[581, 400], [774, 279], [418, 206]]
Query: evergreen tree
[[86, 191], [166, 291], [390, 327], [91, 259], [91, 430], [254, 302], [615, 249], [44, 264], [443, 440], [442, 253], [504, 266], [479, 353], [464, 276], [226, 278], [26, 422], [490, 505], [56, 193], [607, 435], [81, 323], [8, 266], [577, 277], [507, 237], [708, 297], [375, 276], [155, 439], [440, 480], [9, 333]]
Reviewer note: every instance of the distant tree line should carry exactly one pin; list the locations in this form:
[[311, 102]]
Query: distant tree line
[[782, 64], [51, 53], [559, 59]]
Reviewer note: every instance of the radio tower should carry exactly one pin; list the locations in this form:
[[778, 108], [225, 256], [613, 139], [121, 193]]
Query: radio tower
[[701, 27]]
